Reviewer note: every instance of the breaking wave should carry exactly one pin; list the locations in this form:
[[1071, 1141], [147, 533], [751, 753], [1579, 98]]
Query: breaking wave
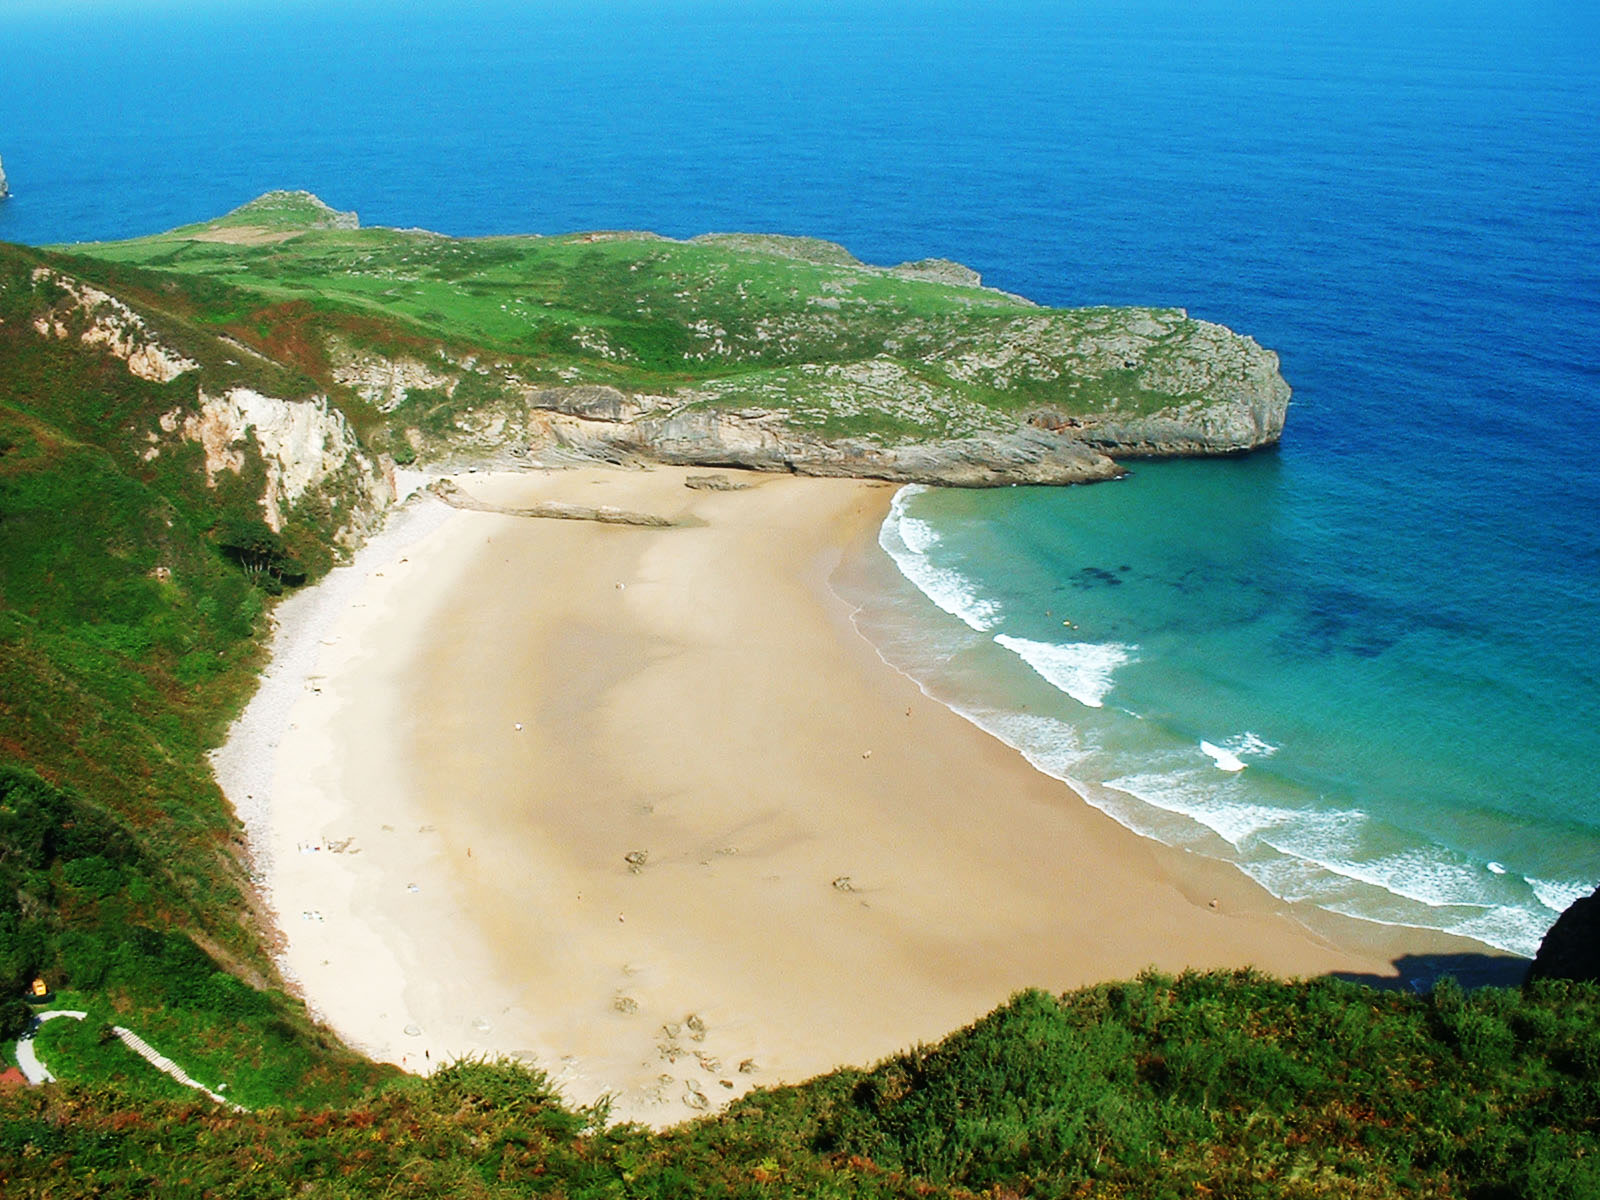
[[1083, 670], [907, 541]]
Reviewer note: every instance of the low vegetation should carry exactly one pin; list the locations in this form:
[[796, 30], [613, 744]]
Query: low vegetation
[[1226, 1085]]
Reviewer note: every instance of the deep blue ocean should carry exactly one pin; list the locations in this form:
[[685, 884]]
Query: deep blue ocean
[[1364, 666]]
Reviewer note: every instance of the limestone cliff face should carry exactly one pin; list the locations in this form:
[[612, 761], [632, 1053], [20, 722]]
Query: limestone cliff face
[[600, 424], [1234, 399], [97, 318], [386, 382], [306, 448]]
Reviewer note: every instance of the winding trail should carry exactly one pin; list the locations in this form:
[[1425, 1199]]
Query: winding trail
[[27, 1058], [37, 1073]]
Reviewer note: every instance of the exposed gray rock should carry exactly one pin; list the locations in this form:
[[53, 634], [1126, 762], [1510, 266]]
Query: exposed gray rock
[[714, 483], [455, 497], [591, 403], [1240, 401], [939, 270], [566, 426], [5, 189], [760, 441]]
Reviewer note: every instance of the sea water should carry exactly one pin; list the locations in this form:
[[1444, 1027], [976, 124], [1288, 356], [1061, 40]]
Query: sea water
[[1363, 666]]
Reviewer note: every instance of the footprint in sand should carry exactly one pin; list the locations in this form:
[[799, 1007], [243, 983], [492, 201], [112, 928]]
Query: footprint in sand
[[668, 1050]]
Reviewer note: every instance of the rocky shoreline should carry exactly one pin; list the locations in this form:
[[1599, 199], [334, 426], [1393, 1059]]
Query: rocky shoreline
[[554, 427]]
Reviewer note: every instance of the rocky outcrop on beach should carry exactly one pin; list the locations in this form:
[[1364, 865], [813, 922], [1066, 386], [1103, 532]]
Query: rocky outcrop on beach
[[621, 428], [1571, 948], [549, 510]]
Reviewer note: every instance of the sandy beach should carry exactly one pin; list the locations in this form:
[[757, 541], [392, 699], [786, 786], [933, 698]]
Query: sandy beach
[[641, 806]]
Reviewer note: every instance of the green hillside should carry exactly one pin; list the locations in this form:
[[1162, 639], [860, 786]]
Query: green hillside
[[128, 639], [1207, 1085]]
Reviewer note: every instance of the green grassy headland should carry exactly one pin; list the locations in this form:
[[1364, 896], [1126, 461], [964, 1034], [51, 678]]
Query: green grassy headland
[[791, 325]]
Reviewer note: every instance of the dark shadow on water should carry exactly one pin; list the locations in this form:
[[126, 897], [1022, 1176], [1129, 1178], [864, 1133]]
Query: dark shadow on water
[[1419, 972]]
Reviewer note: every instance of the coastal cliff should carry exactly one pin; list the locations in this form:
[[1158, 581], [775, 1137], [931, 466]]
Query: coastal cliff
[[875, 419], [5, 189]]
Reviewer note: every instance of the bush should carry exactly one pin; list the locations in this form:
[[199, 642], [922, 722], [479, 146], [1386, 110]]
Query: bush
[[15, 1017], [259, 550]]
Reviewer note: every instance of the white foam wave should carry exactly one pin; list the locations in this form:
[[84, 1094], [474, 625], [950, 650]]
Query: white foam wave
[[1230, 754], [1507, 927], [1299, 855], [1315, 856], [1052, 746], [906, 540], [1339, 860], [1558, 896], [1186, 795], [1419, 875], [1226, 760], [1083, 670], [1252, 744]]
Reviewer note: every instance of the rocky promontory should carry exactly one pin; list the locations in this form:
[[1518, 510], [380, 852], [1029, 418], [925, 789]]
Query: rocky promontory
[[5, 189], [759, 351]]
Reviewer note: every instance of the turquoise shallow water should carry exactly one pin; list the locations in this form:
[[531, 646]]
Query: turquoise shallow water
[[1390, 623], [1214, 661]]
